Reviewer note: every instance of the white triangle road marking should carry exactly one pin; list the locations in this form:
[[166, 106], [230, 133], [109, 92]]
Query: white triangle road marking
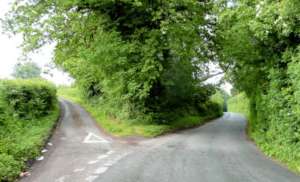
[[99, 139]]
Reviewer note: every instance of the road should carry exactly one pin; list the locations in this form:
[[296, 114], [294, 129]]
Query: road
[[215, 152]]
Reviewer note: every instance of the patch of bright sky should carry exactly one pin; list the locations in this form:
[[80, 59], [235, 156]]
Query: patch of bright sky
[[10, 54], [214, 80]]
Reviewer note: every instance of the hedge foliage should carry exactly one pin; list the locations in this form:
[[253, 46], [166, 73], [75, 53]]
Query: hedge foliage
[[273, 125], [261, 41], [239, 104], [217, 104], [28, 98], [28, 112]]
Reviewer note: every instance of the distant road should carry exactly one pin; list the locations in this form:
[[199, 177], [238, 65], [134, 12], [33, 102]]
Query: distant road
[[216, 152]]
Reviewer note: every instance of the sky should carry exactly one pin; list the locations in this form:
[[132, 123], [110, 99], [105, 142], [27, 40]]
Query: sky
[[10, 54], [226, 86]]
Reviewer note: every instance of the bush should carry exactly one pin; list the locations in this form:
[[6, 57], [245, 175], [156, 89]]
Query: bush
[[216, 104], [28, 98], [273, 126], [29, 110], [9, 167]]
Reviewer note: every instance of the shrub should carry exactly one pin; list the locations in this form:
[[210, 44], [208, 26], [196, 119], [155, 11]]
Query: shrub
[[216, 104], [273, 126], [28, 112], [28, 98], [9, 168]]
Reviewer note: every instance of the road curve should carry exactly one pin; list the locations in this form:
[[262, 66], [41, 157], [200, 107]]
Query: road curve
[[215, 152], [77, 148]]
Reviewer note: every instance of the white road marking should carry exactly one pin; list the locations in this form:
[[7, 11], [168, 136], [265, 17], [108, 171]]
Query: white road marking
[[61, 179], [110, 152], [79, 169], [90, 178], [110, 163], [93, 162], [98, 139], [101, 170], [102, 156]]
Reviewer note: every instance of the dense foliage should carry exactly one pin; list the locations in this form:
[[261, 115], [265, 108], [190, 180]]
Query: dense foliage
[[217, 101], [145, 60], [261, 39], [26, 70], [274, 141], [28, 98], [28, 112], [225, 96]]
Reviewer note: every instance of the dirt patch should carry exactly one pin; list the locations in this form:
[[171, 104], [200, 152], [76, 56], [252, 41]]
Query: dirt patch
[[134, 138]]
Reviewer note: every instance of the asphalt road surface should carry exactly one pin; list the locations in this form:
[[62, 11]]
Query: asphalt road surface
[[80, 151]]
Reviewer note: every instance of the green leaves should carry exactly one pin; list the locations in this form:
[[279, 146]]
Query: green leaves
[[9, 168], [261, 38], [28, 98], [134, 54], [28, 111]]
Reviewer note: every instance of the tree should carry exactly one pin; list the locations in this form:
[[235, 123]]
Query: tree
[[261, 39], [144, 59], [27, 70]]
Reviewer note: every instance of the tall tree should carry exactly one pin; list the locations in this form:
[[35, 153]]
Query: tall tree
[[261, 38], [145, 59], [26, 70]]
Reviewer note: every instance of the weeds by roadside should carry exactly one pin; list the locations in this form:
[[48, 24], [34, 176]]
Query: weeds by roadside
[[28, 112]]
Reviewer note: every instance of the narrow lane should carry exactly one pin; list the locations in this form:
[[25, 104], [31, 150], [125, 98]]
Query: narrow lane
[[216, 152], [77, 149]]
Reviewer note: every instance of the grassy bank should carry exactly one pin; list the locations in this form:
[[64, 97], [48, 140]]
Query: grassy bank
[[117, 128], [24, 127]]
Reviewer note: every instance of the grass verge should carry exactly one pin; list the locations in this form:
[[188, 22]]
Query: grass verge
[[22, 140], [116, 128]]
